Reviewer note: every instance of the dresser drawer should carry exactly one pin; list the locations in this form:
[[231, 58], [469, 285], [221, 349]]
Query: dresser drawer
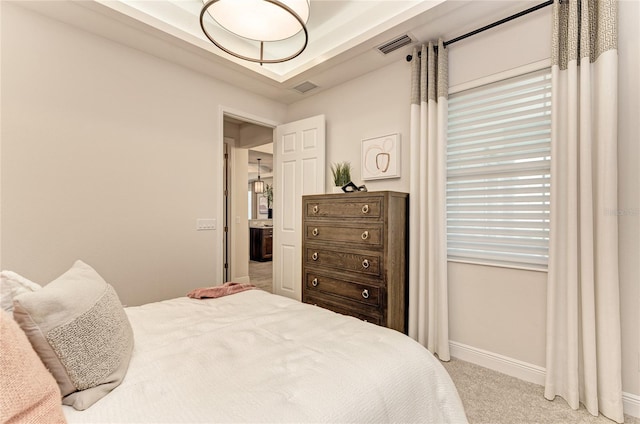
[[358, 292], [366, 235], [322, 302], [344, 207], [365, 263]]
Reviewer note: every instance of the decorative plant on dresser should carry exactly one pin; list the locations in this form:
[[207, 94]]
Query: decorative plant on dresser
[[354, 255], [341, 175]]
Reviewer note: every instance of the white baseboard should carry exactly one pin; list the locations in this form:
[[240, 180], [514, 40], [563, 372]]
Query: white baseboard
[[631, 404], [523, 370], [494, 361], [244, 279]]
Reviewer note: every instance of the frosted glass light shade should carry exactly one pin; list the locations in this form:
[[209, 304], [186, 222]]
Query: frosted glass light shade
[[258, 186], [260, 20]]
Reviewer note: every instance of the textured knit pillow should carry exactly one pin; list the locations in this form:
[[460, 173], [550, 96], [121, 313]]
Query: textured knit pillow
[[28, 392], [11, 285], [79, 329]]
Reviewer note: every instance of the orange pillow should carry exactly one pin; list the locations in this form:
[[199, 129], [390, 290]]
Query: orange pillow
[[28, 391]]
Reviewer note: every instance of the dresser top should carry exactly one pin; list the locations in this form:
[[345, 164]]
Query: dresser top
[[357, 194]]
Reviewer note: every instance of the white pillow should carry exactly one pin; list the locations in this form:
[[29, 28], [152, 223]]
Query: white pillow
[[11, 285], [81, 332]]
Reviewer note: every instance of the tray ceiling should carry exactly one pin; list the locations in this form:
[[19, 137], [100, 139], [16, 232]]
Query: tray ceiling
[[344, 36]]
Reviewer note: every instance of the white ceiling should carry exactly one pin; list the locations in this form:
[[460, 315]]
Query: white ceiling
[[266, 161], [343, 36], [334, 27]]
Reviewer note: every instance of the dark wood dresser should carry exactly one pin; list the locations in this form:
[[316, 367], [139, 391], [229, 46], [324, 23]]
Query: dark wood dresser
[[354, 255]]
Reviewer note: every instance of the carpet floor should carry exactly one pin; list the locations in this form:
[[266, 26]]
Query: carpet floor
[[494, 398]]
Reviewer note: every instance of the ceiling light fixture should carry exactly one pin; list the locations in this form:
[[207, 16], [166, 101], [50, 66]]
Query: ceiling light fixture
[[256, 21], [258, 185]]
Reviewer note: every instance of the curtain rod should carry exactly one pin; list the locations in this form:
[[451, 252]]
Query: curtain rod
[[492, 25]]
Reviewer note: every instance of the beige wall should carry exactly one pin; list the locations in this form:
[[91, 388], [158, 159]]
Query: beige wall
[[629, 191], [483, 299], [495, 309], [373, 105], [239, 218], [110, 155]]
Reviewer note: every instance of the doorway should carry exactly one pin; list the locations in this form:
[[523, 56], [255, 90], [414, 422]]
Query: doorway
[[260, 214], [299, 169], [245, 211]]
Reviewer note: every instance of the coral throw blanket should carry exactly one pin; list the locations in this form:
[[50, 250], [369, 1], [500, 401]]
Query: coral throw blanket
[[219, 291]]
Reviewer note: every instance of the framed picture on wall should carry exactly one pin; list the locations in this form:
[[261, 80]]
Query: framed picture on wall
[[381, 157], [262, 205]]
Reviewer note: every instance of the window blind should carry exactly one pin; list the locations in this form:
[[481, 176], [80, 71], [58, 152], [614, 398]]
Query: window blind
[[498, 172]]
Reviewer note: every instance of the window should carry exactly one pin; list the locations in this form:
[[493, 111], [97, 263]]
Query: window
[[498, 172]]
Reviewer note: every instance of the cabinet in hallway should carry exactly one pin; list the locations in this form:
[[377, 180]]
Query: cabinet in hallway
[[261, 244]]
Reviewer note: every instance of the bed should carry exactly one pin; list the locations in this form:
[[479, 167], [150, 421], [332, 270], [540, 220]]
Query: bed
[[245, 357], [258, 357]]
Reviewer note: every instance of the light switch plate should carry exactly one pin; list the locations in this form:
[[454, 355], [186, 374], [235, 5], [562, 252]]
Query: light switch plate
[[204, 224]]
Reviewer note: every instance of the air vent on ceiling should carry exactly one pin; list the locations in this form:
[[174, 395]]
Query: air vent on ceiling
[[305, 86], [394, 44]]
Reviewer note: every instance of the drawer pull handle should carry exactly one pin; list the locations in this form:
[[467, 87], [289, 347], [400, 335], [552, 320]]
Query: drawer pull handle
[[314, 282], [365, 209], [365, 264], [314, 232], [365, 235], [314, 256], [365, 293], [315, 209]]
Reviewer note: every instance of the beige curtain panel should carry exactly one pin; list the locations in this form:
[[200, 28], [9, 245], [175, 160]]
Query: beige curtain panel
[[428, 304], [583, 308]]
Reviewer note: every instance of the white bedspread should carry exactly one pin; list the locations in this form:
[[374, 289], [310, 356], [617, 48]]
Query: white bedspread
[[256, 357]]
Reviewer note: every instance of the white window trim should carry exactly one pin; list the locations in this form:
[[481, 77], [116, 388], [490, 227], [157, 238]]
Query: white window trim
[[520, 70], [498, 265]]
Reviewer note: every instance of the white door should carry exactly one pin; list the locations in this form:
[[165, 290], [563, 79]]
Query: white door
[[299, 152]]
